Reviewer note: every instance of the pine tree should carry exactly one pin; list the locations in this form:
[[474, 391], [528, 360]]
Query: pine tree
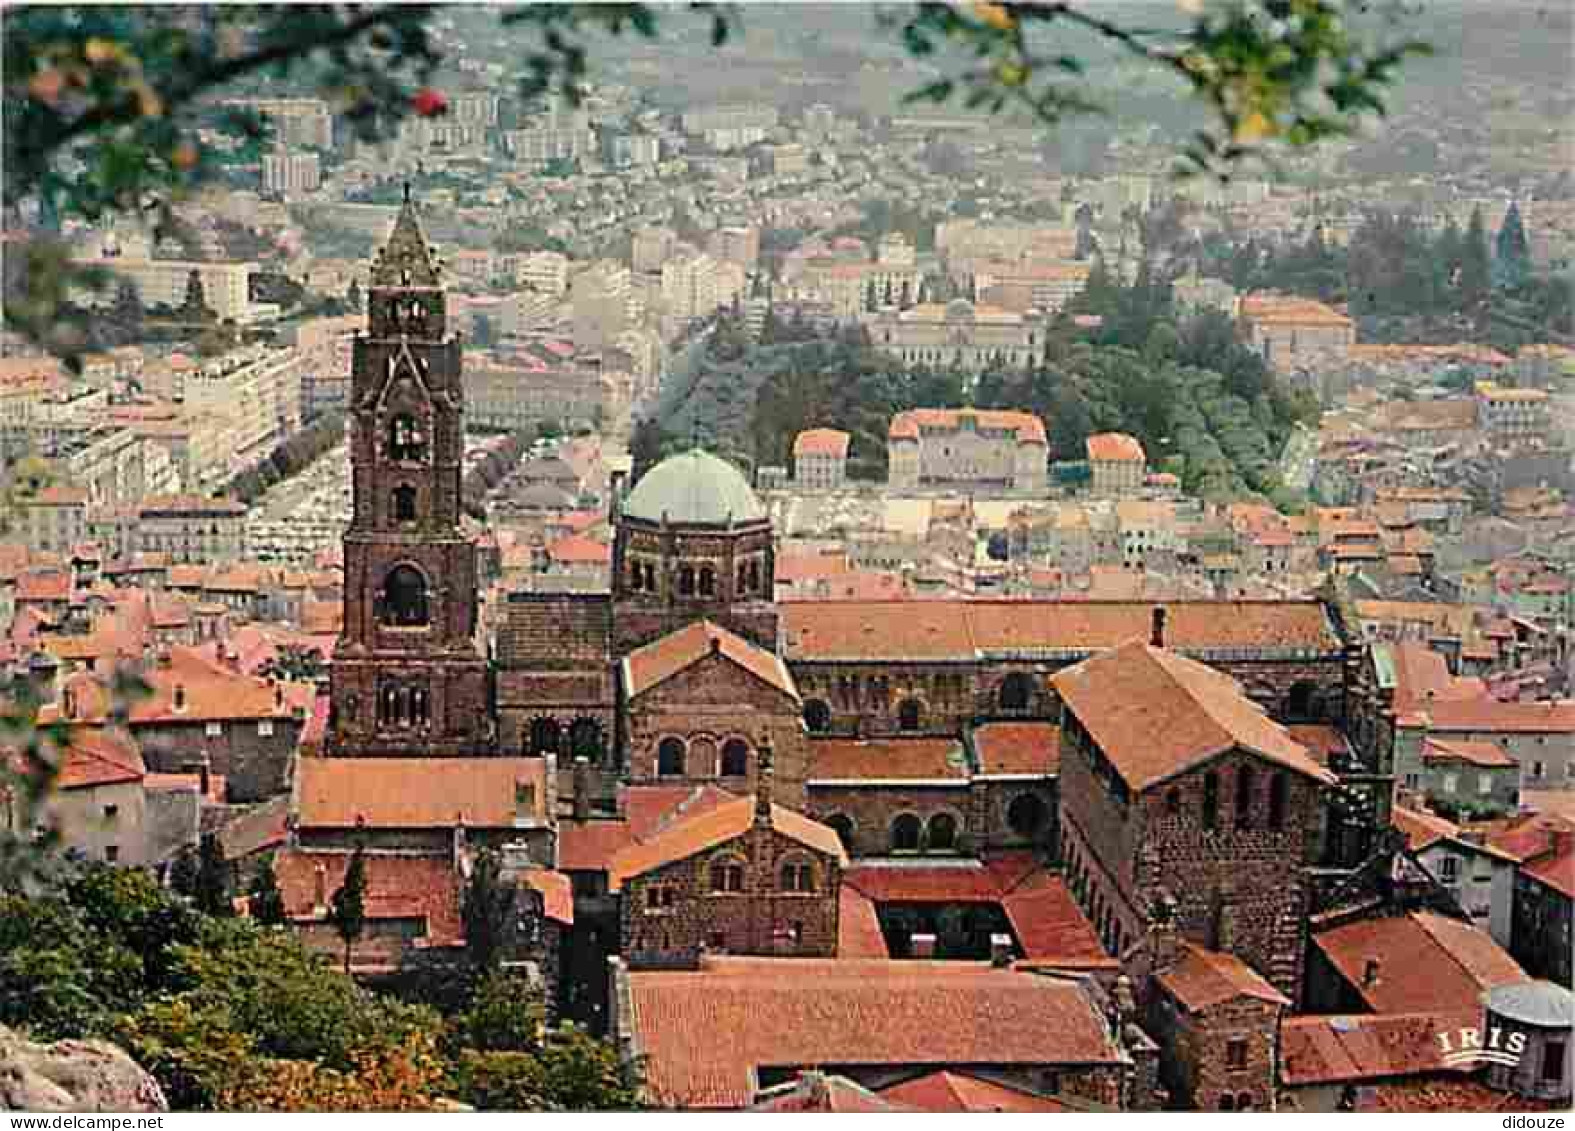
[[1475, 269], [264, 899], [212, 896], [1511, 253], [348, 910], [488, 907]]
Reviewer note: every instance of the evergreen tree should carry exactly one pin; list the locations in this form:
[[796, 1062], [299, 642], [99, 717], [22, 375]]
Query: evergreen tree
[[488, 907], [1511, 253], [183, 874], [264, 899], [212, 894], [348, 910], [1475, 267]]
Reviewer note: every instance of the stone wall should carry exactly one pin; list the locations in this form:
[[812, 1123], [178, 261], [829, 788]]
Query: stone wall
[[1197, 1066], [760, 919], [254, 764], [704, 707]]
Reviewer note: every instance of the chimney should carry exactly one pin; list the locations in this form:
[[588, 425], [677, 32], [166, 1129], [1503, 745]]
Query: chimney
[[1370, 973], [524, 803], [921, 945], [1156, 634], [582, 788], [763, 783], [179, 697], [278, 696], [1164, 938], [1000, 950], [205, 775], [319, 887]]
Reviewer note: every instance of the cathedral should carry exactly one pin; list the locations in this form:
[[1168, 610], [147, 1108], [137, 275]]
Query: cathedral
[[683, 763]]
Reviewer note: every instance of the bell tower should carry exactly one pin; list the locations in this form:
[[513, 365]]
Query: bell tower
[[408, 678]]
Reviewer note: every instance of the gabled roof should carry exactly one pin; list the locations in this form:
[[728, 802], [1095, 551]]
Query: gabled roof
[[1425, 962], [1206, 978], [413, 793], [957, 1091], [704, 1039], [662, 659], [1155, 714], [1114, 446], [1488, 755], [714, 827], [814, 1092], [100, 757], [821, 442], [897, 758]]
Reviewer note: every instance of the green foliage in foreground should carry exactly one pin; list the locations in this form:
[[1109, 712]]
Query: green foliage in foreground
[[230, 1014]]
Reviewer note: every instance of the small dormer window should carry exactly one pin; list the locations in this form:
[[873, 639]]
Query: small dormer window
[[179, 698]]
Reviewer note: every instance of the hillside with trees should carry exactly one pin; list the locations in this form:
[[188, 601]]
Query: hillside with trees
[[1203, 405]]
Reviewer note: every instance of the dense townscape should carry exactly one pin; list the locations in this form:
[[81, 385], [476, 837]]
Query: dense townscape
[[743, 592]]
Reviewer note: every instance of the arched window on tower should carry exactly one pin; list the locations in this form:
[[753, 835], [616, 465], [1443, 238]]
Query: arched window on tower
[[906, 832], [585, 739], [405, 602], [404, 503], [707, 581], [1016, 692], [686, 581], [754, 576], [817, 716], [743, 578], [650, 578], [942, 833], [406, 442], [420, 712], [635, 576], [1244, 797], [910, 714]]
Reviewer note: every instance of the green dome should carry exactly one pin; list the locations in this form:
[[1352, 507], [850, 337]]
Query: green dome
[[696, 487]]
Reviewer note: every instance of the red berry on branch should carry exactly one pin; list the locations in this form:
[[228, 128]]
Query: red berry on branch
[[429, 103]]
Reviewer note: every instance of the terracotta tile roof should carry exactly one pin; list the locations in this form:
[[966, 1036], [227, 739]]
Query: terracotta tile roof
[[100, 757], [1206, 978], [1289, 310], [557, 894], [955, 1091], [662, 659], [887, 759], [858, 927], [1010, 749], [410, 793], [1114, 446], [821, 442], [702, 1035], [579, 550], [1423, 830], [713, 827], [43, 585], [1447, 1095], [589, 846], [1339, 1049], [909, 425], [1556, 867], [1322, 740], [60, 497], [217, 785], [1488, 714], [791, 567], [1155, 714], [968, 630], [815, 1092], [1426, 962], [954, 881], [398, 887], [1485, 754], [1050, 926], [207, 691]]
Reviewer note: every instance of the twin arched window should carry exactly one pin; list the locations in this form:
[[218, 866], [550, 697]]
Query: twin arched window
[[404, 499], [798, 876], [1017, 692], [727, 875]]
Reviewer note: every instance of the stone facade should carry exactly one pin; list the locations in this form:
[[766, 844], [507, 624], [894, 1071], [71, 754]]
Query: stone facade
[[670, 914], [667, 576], [710, 720], [1222, 1058], [1237, 888], [407, 675]]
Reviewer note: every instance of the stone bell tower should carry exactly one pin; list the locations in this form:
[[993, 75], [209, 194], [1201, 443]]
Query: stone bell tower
[[407, 678]]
